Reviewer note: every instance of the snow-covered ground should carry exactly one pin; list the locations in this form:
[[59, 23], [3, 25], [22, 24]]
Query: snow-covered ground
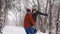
[[38, 32], [16, 30]]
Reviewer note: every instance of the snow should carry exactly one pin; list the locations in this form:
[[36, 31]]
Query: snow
[[16, 30], [38, 32], [13, 30]]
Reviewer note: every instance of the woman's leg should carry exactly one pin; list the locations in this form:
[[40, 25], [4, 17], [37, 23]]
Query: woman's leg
[[27, 30], [31, 30]]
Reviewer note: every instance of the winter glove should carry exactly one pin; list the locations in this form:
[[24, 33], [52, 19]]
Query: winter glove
[[35, 31]]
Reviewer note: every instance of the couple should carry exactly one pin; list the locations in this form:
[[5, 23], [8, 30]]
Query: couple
[[30, 19]]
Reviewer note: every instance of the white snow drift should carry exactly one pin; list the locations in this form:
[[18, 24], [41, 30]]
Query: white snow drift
[[16, 30], [13, 30]]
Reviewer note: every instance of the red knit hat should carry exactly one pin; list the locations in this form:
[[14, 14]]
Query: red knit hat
[[28, 10]]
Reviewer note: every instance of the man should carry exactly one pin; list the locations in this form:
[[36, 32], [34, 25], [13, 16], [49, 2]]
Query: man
[[28, 19], [35, 13]]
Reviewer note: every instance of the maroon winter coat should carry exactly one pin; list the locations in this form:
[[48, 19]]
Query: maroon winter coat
[[28, 19]]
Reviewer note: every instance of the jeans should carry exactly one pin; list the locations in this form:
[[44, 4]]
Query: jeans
[[29, 30]]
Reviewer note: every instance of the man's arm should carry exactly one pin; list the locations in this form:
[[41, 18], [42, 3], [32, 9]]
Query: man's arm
[[42, 13]]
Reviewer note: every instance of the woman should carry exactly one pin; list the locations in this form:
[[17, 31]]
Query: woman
[[28, 21]]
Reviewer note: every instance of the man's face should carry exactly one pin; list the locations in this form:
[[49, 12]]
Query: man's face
[[33, 10]]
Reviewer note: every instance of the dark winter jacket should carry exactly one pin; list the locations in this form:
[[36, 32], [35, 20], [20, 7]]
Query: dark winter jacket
[[36, 14], [28, 19]]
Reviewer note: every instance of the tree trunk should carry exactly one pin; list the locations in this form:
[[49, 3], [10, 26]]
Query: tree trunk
[[0, 4], [57, 20], [50, 17], [41, 24], [45, 21], [0, 17]]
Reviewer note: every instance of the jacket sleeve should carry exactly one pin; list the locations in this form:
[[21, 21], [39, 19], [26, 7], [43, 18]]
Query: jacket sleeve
[[31, 20], [42, 13]]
